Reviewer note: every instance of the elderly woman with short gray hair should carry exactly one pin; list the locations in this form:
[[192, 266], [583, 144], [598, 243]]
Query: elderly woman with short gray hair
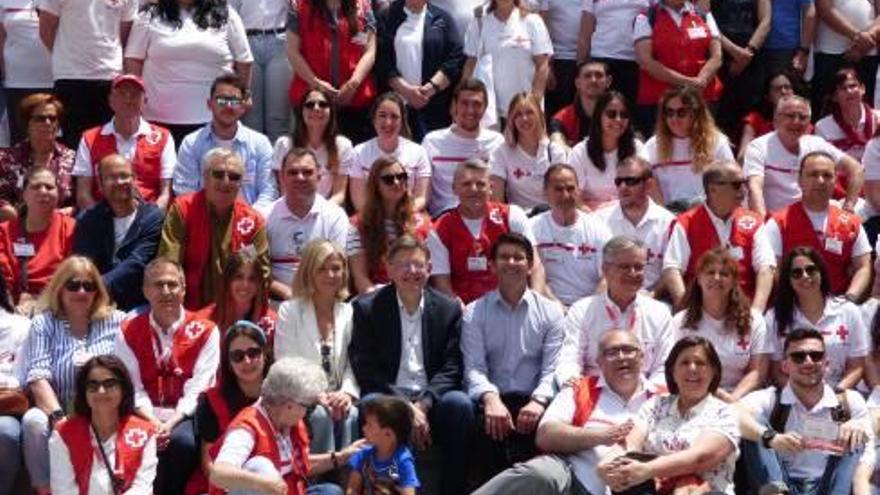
[[266, 447]]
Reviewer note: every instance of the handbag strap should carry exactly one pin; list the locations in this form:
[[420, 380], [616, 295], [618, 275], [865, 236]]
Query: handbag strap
[[115, 481]]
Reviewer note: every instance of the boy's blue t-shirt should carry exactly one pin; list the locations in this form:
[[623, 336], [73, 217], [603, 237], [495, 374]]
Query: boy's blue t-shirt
[[399, 470]]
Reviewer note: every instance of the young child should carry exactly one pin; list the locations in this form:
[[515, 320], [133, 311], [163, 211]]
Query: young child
[[387, 466]]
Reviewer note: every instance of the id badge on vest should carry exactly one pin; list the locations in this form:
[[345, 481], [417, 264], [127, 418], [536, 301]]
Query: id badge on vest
[[697, 32], [23, 249], [736, 252], [477, 264], [833, 245]]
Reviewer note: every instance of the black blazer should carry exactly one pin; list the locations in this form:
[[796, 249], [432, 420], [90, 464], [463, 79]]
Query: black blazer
[[374, 350], [124, 272]]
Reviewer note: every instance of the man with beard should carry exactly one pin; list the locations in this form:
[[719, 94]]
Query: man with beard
[[571, 124], [120, 234]]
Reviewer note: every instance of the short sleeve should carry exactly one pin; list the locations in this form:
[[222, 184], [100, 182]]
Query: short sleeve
[[472, 39], [541, 43], [357, 459], [439, 255], [562, 408], [760, 338], [519, 222], [237, 38], [496, 167], [760, 402], [282, 147], [858, 346], [725, 422], [408, 476], [713, 26], [138, 39], [642, 28], [293, 17], [871, 160], [50, 6], [131, 10], [588, 6], [346, 155], [753, 163]]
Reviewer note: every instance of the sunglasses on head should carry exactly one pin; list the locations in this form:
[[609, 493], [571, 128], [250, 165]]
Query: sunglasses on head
[[798, 357], [221, 174], [74, 285], [799, 272], [251, 353], [391, 179], [629, 181], [616, 114], [679, 113], [316, 104], [108, 384]]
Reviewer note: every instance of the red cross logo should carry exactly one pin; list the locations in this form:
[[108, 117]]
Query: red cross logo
[[742, 343], [135, 438], [842, 332], [519, 173], [584, 249], [746, 223], [245, 226], [193, 329]]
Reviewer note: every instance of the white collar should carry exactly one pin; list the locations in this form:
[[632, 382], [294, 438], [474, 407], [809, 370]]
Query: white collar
[[110, 128], [174, 326]]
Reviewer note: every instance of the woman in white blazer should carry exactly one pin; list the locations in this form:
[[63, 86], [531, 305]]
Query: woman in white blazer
[[315, 324]]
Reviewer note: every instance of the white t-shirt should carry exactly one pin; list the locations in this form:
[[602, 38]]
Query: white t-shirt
[[27, 61], [572, 255], [517, 221], [411, 155], [512, 45], [408, 46], [766, 157], [262, 14], [13, 333], [652, 230], [446, 150], [859, 13], [120, 229], [642, 28], [564, 25], [597, 186], [828, 129], [733, 350], [87, 44], [524, 174], [613, 34], [871, 159], [820, 226], [82, 165], [676, 176], [462, 11], [180, 64], [325, 185]]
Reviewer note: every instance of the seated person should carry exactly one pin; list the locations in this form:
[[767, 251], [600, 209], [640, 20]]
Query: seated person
[[13, 333], [387, 465]]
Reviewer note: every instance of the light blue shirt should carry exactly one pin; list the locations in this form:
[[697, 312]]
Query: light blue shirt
[[258, 184], [511, 349]]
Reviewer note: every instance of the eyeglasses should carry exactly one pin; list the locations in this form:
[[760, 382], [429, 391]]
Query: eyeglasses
[[325, 358], [679, 113], [797, 116], [123, 177], [251, 353], [629, 181], [74, 285], [798, 357], [316, 104], [221, 174], [622, 351], [809, 270], [735, 184], [49, 119], [391, 179], [96, 385], [616, 114], [228, 101]]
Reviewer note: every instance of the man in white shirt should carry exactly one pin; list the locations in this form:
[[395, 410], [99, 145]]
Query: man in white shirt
[[464, 139], [771, 161], [299, 216], [621, 307], [576, 434], [568, 240], [805, 434], [637, 216]]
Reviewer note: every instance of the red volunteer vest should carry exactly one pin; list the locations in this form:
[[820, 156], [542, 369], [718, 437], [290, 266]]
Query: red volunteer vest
[[454, 234], [840, 237], [51, 247], [702, 237], [571, 124], [678, 48], [251, 419], [316, 41], [193, 208], [163, 379], [378, 272], [147, 162], [131, 438]]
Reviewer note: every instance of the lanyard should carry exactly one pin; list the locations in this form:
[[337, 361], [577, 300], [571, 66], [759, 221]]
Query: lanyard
[[166, 364], [115, 481], [614, 315]]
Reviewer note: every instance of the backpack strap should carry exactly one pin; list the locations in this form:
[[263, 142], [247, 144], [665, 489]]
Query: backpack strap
[[779, 414], [841, 413]]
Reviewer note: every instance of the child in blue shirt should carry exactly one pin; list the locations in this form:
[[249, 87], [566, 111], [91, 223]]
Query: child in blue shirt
[[387, 466]]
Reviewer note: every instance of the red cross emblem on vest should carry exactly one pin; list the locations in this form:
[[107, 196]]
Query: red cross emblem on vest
[[842, 332], [135, 438], [193, 329], [245, 226], [747, 223], [495, 216], [518, 173]]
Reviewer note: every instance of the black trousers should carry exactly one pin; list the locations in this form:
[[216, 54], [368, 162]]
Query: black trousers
[[85, 106], [562, 94]]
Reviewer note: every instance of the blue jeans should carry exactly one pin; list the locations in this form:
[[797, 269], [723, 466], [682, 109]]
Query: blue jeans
[[10, 453], [35, 441], [178, 460], [329, 435], [270, 113], [765, 465]]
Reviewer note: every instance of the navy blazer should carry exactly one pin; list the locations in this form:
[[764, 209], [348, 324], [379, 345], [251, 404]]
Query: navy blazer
[[123, 272], [374, 351]]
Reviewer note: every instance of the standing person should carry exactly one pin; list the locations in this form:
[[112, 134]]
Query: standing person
[[315, 128], [331, 44], [27, 65], [419, 56], [265, 24], [86, 38], [519, 48], [563, 24], [850, 122], [792, 29], [179, 47], [571, 123]]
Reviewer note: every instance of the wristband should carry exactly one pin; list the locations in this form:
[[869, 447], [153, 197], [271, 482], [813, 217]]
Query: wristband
[[334, 460]]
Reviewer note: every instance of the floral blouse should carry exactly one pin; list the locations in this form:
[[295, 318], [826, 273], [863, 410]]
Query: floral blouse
[[15, 162]]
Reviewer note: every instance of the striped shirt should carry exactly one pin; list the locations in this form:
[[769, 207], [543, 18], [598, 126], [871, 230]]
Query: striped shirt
[[53, 353]]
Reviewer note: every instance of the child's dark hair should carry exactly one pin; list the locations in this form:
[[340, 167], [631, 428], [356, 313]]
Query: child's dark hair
[[391, 412]]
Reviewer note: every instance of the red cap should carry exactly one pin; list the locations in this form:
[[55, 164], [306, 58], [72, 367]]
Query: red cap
[[128, 78]]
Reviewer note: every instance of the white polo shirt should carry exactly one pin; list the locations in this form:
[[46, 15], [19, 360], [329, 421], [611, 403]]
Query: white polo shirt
[[288, 233], [820, 226], [523, 173], [809, 464], [871, 160], [734, 351], [675, 175], [325, 186], [766, 157], [828, 129], [842, 328], [588, 319], [82, 165], [652, 230], [409, 154], [613, 35], [572, 255], [597, 186], [446, 150]]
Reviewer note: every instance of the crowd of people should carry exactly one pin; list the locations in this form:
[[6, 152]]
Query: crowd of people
[[567, 247]]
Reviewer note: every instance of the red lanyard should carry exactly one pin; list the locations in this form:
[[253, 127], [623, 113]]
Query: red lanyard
[[614, 315]]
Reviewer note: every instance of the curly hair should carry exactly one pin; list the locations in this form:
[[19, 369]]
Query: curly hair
[[374, 235], [299, 138], [626, 145], [738, 314], [786, 298], [207, 13], [704, 133]]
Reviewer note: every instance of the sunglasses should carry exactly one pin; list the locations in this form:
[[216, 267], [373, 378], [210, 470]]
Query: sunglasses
[[616, 114], [316, 104], [108, 385], [251, 353], [809, 271], [391, 179], [629, 181], [798, 357], [49, 119], [735, 184], [228, 101], [221, 174], [74, 285], [679, 113]]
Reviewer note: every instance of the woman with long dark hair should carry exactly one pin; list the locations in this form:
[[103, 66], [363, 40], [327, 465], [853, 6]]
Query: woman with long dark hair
[[803, 299], [760, 120], [13, 401]]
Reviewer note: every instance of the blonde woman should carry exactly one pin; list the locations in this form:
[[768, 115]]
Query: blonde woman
[[315, 324], [78, 321], [518, 165], [685, 142]]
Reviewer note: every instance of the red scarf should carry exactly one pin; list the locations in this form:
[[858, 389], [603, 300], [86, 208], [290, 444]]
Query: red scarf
[[853, 138]]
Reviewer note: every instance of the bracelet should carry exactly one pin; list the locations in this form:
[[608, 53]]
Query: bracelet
[[432, 83], [334, 460]]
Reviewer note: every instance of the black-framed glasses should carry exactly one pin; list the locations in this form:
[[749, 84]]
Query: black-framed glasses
[[629, 181], [221, 174], [96, 385], [616, 114], [679, 113], [620, 351], [391, 179], [316, 104], [75, 285], [798, 357], [251, 353], [228, 101], [809, 270]]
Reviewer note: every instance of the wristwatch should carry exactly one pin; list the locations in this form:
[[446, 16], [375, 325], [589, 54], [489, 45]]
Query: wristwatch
[[55, 416], [767, 436]]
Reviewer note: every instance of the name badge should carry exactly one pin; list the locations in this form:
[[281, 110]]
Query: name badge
[[23, 249], [736, 252], [696, 33], [477, 264], [834, 245]]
